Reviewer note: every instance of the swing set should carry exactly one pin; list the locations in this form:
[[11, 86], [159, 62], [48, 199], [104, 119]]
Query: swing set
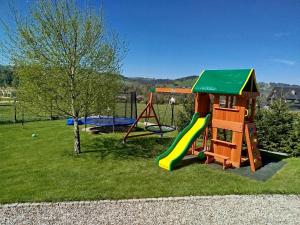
[[149, 112]]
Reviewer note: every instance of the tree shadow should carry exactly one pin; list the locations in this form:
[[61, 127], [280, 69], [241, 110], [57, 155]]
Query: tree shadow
[[149, 147]]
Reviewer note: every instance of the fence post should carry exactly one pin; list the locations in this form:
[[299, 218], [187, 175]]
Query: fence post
[[22, 118], [15, 110]]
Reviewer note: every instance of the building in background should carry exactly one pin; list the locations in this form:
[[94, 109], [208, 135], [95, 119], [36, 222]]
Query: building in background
[[291, 95]]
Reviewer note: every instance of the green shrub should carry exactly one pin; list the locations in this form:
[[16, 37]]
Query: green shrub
[[185, 116], [278, 129]]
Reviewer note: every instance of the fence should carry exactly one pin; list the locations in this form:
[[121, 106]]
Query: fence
[[10, 113]]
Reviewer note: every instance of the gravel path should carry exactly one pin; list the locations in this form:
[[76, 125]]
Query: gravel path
[[231, 209]]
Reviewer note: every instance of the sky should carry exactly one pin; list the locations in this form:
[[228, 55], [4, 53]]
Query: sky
[[176, 38]]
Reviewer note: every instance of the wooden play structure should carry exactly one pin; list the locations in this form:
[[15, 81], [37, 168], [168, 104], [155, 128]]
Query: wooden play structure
[[233, 94], [225, 102]]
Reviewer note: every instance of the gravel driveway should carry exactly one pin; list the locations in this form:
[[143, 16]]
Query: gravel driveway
[[231, 209]]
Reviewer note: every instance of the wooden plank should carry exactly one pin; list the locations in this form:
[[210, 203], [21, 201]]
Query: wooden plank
[[197, 99], [224, 159], [229, 125], [216, 155], [223, 142], [173, 90], [227, 109], [249, 147], [237, 138]]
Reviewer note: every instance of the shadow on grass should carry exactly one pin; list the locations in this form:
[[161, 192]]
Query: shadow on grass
[[187, 162], [149, 147]]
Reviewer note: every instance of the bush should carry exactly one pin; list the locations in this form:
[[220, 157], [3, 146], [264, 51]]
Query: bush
[[278, 129], [185, 116]]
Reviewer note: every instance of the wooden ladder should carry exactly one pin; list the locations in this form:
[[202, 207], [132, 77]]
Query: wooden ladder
[[253, 151]]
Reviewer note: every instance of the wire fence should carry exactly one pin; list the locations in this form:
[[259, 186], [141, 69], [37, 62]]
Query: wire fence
[[10, 113]]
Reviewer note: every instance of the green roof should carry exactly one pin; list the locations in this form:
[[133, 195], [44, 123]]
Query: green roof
[[231, 82]]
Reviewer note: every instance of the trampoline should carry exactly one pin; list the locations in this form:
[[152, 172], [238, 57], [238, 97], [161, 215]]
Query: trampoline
[[103, 121]]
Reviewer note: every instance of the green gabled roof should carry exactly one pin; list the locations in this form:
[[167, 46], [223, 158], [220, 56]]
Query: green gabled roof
[[231, 82]]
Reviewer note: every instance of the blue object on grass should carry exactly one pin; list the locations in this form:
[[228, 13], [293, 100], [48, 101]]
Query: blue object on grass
[[103, 121]]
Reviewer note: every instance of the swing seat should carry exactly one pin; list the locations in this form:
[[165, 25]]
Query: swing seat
[[160, 129]]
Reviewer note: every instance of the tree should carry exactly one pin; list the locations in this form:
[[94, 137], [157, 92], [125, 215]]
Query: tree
[[185, 116], [276, 127], [64, 60]]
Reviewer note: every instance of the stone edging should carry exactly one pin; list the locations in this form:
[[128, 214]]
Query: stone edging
[[185, 198]]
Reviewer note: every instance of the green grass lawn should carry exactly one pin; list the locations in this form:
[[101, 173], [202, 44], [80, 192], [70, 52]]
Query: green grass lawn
[[45, 169]]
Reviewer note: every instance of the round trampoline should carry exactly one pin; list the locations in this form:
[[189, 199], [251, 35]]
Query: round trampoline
[[103, 121]]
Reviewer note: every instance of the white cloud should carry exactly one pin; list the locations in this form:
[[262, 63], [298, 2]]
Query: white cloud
[[285, 61]]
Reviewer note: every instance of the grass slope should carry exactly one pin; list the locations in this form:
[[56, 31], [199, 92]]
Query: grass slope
[[45, 169]]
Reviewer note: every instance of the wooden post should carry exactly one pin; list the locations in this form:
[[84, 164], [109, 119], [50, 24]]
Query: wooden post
[[22, 118], [251, 141], [214, 130], [15, 110], [197, 102], [146, 113], [125, 111], [253, 109], [172, 115]]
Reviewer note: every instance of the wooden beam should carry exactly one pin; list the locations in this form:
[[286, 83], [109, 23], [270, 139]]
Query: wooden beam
[[249, 148], [223, 142], [173, 90], [146, 113], [250, 94], [227, 109]]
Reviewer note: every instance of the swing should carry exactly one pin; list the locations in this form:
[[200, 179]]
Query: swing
[[149, 112], [163, 128]]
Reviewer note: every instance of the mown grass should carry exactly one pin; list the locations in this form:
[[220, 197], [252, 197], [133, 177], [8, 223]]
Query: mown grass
[[45, 169]]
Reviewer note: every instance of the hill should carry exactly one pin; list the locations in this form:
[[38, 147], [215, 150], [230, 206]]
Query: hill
[[142, 84], [137, 83]]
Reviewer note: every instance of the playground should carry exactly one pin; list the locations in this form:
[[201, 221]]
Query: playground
[[40, 167], [43, 169]]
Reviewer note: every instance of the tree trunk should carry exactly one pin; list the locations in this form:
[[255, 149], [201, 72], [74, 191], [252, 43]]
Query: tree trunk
[[77, 149]]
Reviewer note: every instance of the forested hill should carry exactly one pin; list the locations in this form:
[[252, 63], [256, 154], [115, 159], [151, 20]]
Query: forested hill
[[187, 81], [142, 84]]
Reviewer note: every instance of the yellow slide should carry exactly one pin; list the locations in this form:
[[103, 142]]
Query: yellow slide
[[183, 142]]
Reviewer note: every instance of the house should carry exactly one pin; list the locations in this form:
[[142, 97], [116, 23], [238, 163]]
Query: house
[[7, 92], [291, 95]]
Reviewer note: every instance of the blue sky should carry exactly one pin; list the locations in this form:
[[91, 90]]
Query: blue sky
[[170, 39]]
